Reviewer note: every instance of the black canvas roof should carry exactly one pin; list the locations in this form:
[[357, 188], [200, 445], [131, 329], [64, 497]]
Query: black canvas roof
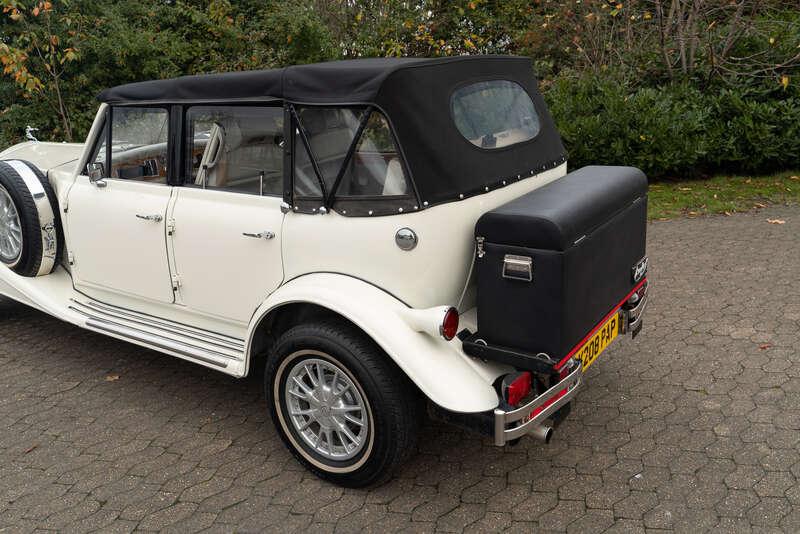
[[355, 80], [415, 95]]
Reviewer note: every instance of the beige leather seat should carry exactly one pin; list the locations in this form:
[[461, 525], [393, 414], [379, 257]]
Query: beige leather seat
[[223, 140], [395, 183]]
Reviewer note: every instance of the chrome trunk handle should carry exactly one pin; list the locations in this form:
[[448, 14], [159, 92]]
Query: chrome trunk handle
[[154, 218], [266, 234]]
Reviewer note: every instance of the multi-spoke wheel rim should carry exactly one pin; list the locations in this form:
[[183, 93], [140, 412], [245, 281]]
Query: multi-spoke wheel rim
[[327, 409], [10, 228]]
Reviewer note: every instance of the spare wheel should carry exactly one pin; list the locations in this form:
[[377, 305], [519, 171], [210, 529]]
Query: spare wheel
[[30, 227]]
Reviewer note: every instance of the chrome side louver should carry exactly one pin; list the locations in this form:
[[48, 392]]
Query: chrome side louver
[[192, 343]]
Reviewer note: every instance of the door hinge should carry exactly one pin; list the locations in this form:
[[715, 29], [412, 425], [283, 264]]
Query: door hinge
[[176, 282], [70, 258], [171, 227]]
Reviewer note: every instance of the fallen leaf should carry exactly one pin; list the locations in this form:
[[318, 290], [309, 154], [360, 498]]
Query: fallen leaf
[[765, 346], [748, 181], [776, 221], [31, 448], [727, 213], [760, 205], [794, 177], [685, 188], [112, 378]]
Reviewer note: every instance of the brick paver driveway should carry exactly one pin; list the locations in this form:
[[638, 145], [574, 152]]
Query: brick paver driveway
[[693, 426]]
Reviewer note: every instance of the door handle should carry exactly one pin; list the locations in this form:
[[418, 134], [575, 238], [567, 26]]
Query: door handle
[[154, 218], [266, 234]]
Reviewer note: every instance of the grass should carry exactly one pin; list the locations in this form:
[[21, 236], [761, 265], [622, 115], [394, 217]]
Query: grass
[[721, 195]]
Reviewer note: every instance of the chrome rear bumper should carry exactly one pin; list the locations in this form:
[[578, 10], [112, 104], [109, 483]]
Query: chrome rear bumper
[[633, 312], [511, 425]]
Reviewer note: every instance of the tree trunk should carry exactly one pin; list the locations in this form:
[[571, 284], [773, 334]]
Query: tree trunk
[[62, 110]]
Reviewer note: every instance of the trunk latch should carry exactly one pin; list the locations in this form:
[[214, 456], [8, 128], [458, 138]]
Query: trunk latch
[[518, 267], [480, 251]]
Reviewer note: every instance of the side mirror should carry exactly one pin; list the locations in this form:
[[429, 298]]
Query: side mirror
[[96, 172]]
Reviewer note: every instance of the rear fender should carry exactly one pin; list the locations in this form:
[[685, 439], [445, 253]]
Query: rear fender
[[439, 368]]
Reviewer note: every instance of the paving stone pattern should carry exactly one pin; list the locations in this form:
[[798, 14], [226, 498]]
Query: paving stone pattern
[[691, 427]]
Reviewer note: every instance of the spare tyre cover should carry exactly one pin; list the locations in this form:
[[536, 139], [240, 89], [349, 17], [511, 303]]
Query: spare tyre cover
[[35, 204]]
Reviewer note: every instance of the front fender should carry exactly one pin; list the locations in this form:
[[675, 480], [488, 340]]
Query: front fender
[[439, 368]]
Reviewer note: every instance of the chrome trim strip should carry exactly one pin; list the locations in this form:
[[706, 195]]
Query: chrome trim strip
[[153, 340], [161, 325], [635, 311], [165, 324], [502, 419], [635, 316]]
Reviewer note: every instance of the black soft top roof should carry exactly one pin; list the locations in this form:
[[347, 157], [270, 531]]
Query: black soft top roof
[[334, 82], [414, 93]]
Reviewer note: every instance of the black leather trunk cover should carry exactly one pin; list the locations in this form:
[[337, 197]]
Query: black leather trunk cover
[[584, 233]]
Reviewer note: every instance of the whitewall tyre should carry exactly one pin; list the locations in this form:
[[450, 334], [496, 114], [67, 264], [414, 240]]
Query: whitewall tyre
[[340, 404], [31, 242]]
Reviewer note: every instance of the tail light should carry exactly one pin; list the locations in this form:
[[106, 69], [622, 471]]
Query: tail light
[[449, 327], [516, 387]]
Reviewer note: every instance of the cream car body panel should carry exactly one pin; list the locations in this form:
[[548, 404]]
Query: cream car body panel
[[44, 155], [223, 272], [118, 238], [442, 372], [444, 232]]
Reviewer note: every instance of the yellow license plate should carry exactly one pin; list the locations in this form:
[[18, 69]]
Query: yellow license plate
[[596, 344]]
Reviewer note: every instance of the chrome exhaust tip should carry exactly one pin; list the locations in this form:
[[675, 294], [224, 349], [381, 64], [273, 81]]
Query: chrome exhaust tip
[[542, 433]]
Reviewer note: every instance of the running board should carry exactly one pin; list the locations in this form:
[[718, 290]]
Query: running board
[[203, 346]]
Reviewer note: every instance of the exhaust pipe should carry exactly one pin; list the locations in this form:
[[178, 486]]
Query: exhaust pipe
[[542, 433]]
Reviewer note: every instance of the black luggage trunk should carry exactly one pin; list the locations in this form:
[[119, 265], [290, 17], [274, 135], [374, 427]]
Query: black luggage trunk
[[581, 235]]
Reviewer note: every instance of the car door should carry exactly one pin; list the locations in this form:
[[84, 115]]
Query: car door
[[116, 218], [227, 217]]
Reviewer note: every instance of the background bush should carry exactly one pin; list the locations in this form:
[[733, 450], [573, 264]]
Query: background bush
[[676, 87], [677, 128]]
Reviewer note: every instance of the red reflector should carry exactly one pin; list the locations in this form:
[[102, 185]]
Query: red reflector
[[519, 388], [449, 327]]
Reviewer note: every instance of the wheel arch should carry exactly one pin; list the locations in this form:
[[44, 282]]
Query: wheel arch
[[437, 367]]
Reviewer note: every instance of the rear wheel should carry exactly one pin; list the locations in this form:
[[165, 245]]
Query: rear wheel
[[340, 405]]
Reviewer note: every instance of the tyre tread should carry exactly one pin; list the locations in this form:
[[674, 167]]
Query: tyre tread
[[398, 396]]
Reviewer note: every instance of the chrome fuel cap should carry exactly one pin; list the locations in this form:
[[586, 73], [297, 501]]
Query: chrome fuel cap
[[406, 238]]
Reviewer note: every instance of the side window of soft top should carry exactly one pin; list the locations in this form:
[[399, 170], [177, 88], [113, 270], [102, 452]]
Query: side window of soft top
[[139, 145], [236, 148], [357, 156]]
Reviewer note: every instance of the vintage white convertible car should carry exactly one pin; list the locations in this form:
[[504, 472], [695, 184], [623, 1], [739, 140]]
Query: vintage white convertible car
[[376, 233]]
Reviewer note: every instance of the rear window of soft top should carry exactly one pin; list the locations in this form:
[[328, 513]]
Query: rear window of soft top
[[494, 114]]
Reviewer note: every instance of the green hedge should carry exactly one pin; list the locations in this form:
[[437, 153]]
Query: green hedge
[[676, 130]]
